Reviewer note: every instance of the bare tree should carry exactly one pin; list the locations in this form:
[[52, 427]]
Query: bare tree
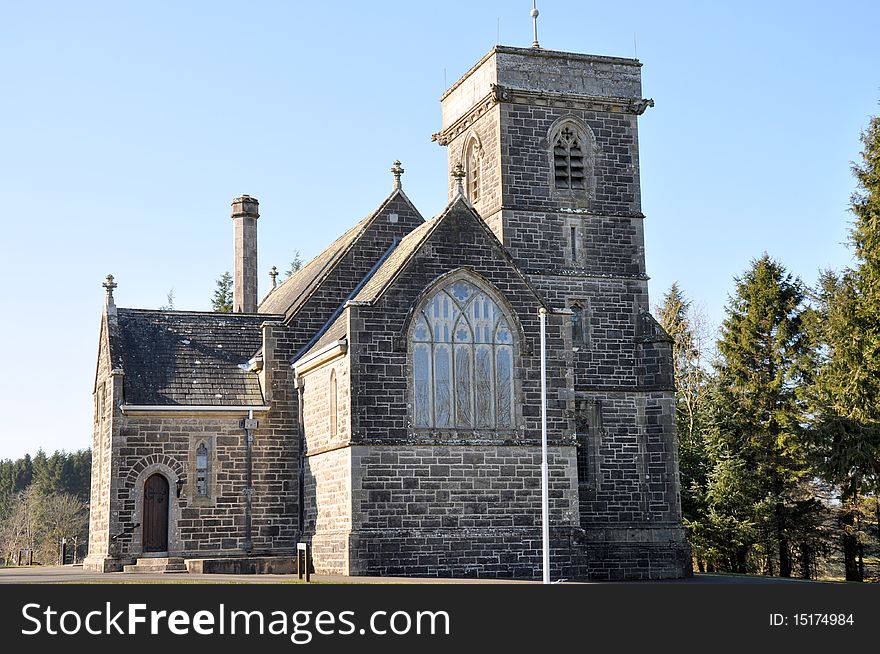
[[693, 340], [62, 516], [20, 531]]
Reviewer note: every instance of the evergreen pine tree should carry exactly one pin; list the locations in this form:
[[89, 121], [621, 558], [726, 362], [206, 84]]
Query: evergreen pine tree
[[761, 451], [222, 300], [845, 393], [295, 264]]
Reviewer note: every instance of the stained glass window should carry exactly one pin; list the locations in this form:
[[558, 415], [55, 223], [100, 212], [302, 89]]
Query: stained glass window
[[202, 471], [463, 361]]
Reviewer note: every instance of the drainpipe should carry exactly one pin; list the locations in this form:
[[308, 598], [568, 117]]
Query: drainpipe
[[299, 384], [545, 476], [249, 424]]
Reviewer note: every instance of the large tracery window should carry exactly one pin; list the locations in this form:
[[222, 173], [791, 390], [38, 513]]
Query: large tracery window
[[462, 346]]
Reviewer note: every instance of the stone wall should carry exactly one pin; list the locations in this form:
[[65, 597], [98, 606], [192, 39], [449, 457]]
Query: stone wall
[[211, 525], [381, 368], [568, 73], [485, 130], [471, 511], [315, 386], [327, 474], [102, 435], [328, 509], [453, 502], [527, 157]]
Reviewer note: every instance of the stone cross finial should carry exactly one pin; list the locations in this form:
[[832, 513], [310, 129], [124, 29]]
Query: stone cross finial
[[534, 14], [109, 285], [274, 275], [397, 171], [458, 173]]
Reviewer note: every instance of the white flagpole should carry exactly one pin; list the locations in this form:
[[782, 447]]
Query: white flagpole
[[545, 475]]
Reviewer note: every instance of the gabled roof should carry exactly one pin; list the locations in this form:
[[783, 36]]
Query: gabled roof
[[410, 245], [293, 293], [295, 290], [188, 358], [337, 330], [375, 284]]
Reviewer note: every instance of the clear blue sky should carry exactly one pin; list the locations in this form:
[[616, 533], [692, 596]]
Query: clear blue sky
[[127, 128]]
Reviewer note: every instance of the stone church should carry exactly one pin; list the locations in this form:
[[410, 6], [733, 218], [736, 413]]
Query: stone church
[[383, 404]]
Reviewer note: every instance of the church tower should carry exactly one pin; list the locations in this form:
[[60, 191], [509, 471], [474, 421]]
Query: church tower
[[549, 145]]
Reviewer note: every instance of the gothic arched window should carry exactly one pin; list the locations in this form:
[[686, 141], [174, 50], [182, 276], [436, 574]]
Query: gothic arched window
[[333, 398], [202, 470], [579, 327], [569, 158], [463, 357], [472, 166], [572, 148]]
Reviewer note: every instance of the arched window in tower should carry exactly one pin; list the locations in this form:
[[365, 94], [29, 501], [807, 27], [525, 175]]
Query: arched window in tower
[[569, 159], [333, 398], [572, 150], [463, 357], [472, 166], [202, 470]]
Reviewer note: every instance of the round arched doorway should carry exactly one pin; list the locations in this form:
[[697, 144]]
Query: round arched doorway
[[155, 519]]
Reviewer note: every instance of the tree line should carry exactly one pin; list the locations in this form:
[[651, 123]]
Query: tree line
[[779, 422], [44, 500]]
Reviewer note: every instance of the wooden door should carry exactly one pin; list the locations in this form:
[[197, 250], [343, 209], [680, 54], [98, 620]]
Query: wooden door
[[155, 522]]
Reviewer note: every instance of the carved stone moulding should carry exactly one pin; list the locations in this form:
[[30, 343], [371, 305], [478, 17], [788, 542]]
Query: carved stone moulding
[[500, 94]]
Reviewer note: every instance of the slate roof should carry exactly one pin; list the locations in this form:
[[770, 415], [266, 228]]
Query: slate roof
[[188, 358], [337, 330], [375, 282], [408, 245], [296, 289]]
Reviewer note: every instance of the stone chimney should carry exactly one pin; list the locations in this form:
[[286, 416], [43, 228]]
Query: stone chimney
[[245, 211]]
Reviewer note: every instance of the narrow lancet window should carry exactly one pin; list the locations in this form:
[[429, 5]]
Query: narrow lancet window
[[579, 331], [472, 165], [333, 399], [202, 471]]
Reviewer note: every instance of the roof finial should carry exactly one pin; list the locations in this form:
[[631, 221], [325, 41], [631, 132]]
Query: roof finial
[[274, 274], [109, 285], [458, 174], [397, 171], [534, 15]]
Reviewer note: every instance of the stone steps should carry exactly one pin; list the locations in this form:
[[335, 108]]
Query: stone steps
[[157, 564]]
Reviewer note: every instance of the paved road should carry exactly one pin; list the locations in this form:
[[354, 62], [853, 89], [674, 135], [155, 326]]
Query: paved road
[[75, 574]]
